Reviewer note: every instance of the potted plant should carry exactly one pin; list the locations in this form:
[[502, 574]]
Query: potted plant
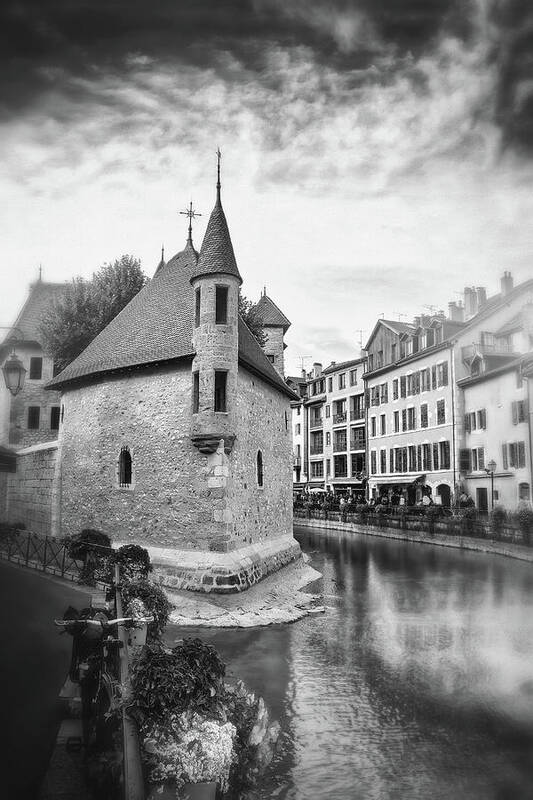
[[137, 634]]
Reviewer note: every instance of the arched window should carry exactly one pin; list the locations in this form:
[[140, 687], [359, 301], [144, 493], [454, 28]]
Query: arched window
[[124, 468], [523, 491], [259, 468]]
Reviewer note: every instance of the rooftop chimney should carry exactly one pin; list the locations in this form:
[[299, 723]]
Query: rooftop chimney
[[506, 283], [317, 369], [470, 302], [481, 296], [456, 312]]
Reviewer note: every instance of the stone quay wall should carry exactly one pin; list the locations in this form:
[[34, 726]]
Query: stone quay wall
[[31, 489], [421, 536]]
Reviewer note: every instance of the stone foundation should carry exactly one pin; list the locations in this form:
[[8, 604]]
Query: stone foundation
[[203, 571]]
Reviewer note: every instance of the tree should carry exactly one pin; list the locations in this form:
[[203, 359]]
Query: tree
[[86, 307], [248, 313]]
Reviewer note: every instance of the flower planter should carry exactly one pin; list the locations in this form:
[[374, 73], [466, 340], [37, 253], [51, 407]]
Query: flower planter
[[199, 791], [137, 636]]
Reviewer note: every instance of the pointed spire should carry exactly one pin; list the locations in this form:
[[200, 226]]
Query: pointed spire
[[162, 262], [162, 252], [219, 156]]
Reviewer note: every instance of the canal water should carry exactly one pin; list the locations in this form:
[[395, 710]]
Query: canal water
[[417, 682]]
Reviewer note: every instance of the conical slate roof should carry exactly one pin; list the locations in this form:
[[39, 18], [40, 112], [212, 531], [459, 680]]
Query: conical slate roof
[[216, 255], [270, 315], [157, 326]]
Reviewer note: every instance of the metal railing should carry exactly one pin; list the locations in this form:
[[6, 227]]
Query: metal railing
[[422, 519], [316, 450], [338, 419], [42, 553], [315, 422]]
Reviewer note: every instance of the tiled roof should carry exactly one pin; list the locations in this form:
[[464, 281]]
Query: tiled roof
[[157, 325], [399, 327], [495, 367], [342, 365], [40, 298], [270, 315], [217, 253]]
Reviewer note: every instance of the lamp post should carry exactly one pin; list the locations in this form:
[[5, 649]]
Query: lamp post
[[13, 370], [490, 470]]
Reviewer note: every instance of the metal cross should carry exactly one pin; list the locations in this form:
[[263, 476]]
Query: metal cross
[[192, 215]]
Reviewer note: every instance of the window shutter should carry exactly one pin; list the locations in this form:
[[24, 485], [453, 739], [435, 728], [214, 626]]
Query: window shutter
[[467, 423], [512, 454], [445, 374], [464, 460], [395, 389], [504, 456], [402, 386], [433, 377], [404, 419], [435, 455], [419, 456], [391, 459], [514, 408], [483, 418], [521, 454], [481, 458]]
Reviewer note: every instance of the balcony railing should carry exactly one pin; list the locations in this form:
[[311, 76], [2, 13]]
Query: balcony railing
[[340, 447], [316, 450], [357, 413], [338, 419], [357, 444], [485, 349], [315, 422]]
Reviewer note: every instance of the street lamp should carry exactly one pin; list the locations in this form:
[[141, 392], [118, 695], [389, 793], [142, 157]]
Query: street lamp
[[490, 470], [13, 369]]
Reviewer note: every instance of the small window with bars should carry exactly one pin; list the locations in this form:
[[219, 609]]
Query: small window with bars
[[125, 470]]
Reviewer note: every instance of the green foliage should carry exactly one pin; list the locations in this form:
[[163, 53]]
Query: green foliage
[[154, 598], [92, 547], [86, 307], [498, 517], [187, 678], [134, 562], [248, 313], [524, 517]]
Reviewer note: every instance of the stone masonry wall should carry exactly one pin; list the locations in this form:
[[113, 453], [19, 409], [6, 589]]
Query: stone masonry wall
[[274, 347], [170, 503], [30, 490], [261, 514]]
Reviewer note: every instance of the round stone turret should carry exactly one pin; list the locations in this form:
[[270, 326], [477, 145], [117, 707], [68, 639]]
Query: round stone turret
[[215, 283]]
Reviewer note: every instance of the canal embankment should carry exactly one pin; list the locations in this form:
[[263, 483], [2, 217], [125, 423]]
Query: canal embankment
[[447, 532]]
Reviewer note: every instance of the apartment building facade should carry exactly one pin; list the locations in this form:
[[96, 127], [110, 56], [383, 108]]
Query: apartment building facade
[[410, 396]]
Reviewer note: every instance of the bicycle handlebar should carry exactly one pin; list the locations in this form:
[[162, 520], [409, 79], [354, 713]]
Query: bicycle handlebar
[[99, 623]]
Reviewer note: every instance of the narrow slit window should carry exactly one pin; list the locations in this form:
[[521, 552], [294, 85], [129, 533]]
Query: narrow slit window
[[124, 468], [220, 390], [259, 468], [195, 392], [36, 368], [221, 305], [197, 301], [34, 416], [54, 418]]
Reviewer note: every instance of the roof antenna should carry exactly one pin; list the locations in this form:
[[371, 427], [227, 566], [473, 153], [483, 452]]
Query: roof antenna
[[219, 156], [192, 215]]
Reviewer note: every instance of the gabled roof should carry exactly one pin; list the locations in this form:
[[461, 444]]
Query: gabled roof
[[216, 255], [270, 315], [393, 325], [497, 367], [41, 296], [335, 367], [157, 326]]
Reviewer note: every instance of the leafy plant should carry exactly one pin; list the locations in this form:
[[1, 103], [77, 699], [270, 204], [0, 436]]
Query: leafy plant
[[155, 600], [93, 548], [187, 678], [524, 518], [498, 517]]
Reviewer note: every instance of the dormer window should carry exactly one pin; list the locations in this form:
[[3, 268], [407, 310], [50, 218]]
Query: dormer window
[[430, 337], [221, 305]]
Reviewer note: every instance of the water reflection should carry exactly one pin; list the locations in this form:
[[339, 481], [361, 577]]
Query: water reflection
[[416, 683]]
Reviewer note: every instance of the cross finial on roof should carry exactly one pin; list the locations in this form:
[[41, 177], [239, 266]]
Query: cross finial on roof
[[219, 156], [264, 291], [192, 215], [162, 252]]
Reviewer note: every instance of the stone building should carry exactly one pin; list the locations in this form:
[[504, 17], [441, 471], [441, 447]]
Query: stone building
[[275, 325], [176, 429], [32, 416]]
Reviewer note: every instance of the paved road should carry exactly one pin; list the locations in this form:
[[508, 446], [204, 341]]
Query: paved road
[[34, 660]]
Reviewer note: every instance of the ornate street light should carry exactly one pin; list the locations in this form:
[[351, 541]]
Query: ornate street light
[[490, 470], [14, 370]]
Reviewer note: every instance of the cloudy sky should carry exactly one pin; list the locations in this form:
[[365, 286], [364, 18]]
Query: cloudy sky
[[377, 154]]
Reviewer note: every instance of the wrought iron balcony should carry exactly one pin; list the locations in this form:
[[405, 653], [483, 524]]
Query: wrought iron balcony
[[315, 422], [316, 450], [338, 419], [340, 447]]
